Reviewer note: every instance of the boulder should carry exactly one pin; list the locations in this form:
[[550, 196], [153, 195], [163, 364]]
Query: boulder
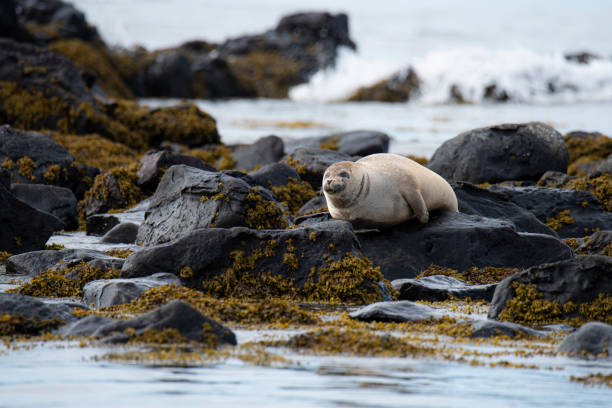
[[274, 175], [604, 167], [457, 241], [550, 204], [399, 87], [398, 311], [311, 163], [491, 328], [23, 228], [437, 288], [501, 152], [488, 203], [266, 150], [105, 195], [124, 233], [108, 292], [593, 338], [173, 315], [100, 224], [155, 163], [35, 262], [188, 198], [600, 243], [58, 201], [84, 327], [553, 179], [315, 205], [579, 280], [169, 75], [33, 308], [353, 143]]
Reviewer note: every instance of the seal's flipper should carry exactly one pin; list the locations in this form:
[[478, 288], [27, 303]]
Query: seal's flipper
[[415, 200]]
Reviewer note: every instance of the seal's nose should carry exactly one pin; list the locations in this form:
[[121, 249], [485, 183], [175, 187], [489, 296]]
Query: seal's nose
[[329, 182]]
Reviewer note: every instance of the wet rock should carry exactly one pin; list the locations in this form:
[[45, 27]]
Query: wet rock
[[494, 92], [400, 87], [439, 288], [54, 19], [585, 211], [295, 255], [502, 152], [154, 164], [315, 205], [23, 228], [311, 163], [35, 262], [488, 203], [457, 241], [491, 328], [266, 150], [188, 198], [353, 143], [124, 233], [174, 315], [604, 167], [33, 308], [5, 178], [593, 338], [108, 292], [553, 179], [398, 311], [58, 201], [100, 224], [579, 280], [274, 175], [597, 244], [105, 195], [86, 326], [213, 78], [168, 75]]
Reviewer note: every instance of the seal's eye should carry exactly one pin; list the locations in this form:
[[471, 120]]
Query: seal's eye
[[344, 174]]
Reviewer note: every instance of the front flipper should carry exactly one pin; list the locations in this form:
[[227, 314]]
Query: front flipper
[[415, 200]]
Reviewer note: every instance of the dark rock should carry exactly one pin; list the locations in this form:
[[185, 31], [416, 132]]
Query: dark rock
[[188, 198], [546, 203], [209, 252], [35, 262], [213, 78], [8, 18], [86, 326], [491, 328], [34, 308], [169, 75], [108, 292], [100, 224], [598, 243], [457, 241], [487, 203], [313, 219], [124, 233], [553, 179], [578, 280], [317, 204], [604, 167], [23, 228], [400, 87], [58, 201], [313, 27], [313, 162], [274, 175], [353, 143], [495, 93], [105, 195], [502, 152], [174, 315], [437, 288], [583, 57], [593, 338], [266, 150], [399, 311], [154, 164], [55, 19], [5, 178]]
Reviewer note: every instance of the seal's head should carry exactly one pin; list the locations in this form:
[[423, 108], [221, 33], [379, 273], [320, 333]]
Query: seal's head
[[341, 181]]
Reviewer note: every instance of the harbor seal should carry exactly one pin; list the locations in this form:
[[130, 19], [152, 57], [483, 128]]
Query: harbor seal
[[382, 190]]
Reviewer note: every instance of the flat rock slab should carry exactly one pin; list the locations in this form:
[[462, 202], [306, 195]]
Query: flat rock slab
[[578, 280], [34, 308], [503, 152], [35, 262], [108, 292], [457, 241], [398, 311], [492, 328], [593, 338], [548, 202], [437, 288]]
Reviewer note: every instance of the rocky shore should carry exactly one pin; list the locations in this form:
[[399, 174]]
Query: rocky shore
[[238, 237]]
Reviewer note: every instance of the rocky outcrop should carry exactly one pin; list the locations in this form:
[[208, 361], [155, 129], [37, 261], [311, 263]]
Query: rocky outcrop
[[437, 288], [400, 87], [591, 339], [188, 198], [501, 152], [58, 201], [578, 280], [457, 241], [108, 292], [154, 163], [30, 307]]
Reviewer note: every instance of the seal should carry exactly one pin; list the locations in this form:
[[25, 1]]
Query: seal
[[382, 190]]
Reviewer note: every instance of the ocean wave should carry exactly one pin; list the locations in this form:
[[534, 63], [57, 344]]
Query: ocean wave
[[475, 75]]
